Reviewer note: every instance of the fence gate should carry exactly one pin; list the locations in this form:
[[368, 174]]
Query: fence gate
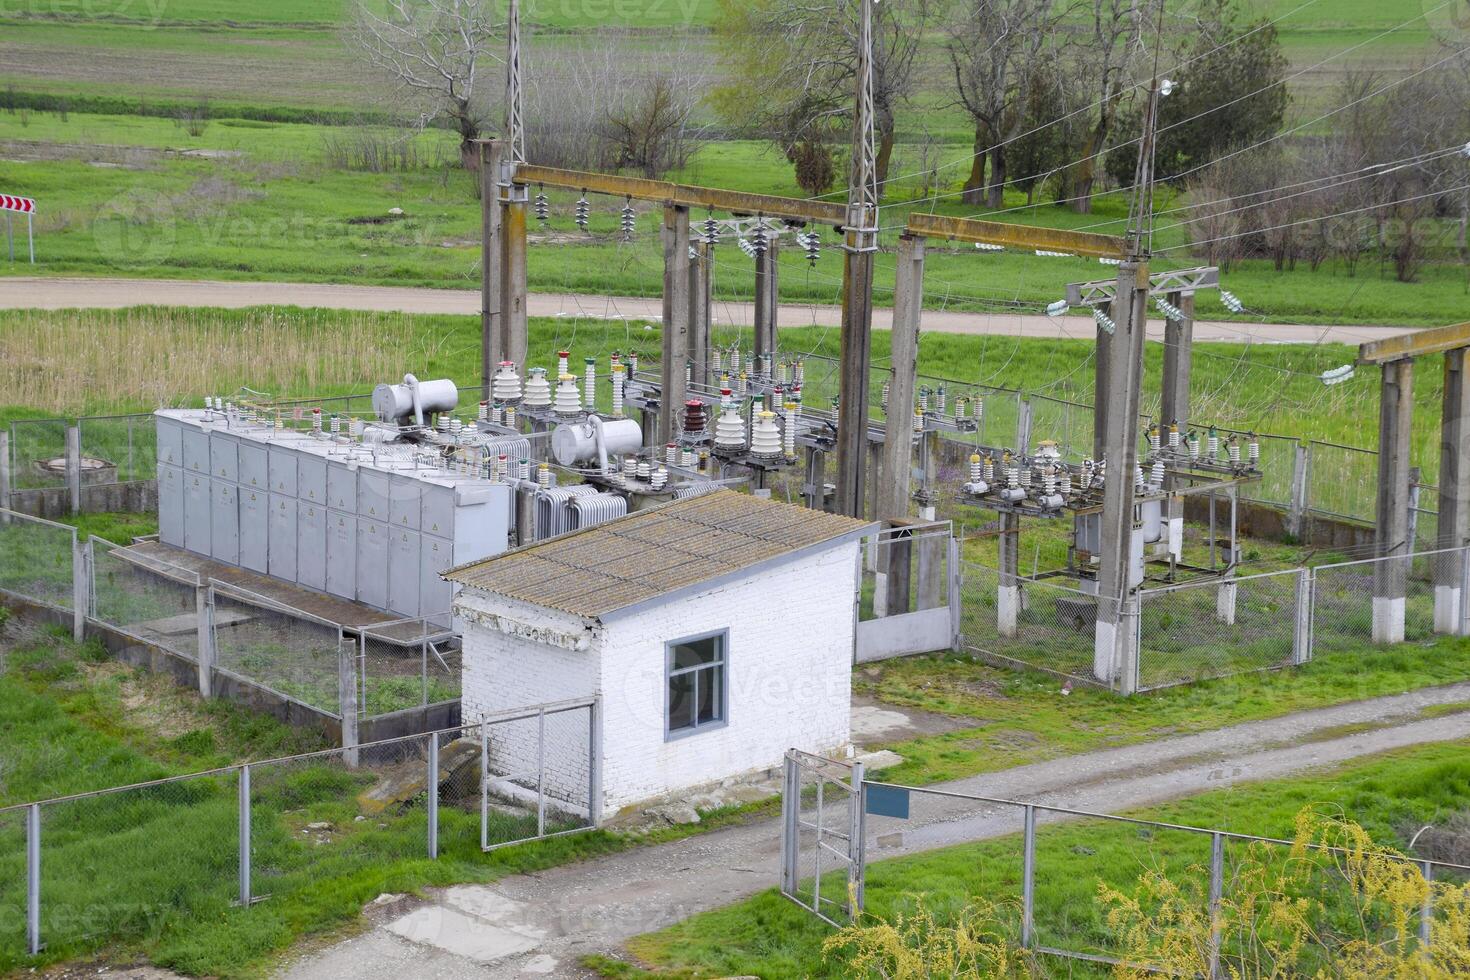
[[822, 820]]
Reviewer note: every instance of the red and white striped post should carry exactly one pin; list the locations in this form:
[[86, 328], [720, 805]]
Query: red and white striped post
[[12, 204]]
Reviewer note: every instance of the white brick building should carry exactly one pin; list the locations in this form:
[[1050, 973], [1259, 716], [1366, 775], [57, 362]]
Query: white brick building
[[717, 632]]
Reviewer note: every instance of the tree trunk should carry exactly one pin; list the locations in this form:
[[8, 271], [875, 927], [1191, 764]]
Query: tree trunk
[[885, 154], [996, 196], [974, 190]]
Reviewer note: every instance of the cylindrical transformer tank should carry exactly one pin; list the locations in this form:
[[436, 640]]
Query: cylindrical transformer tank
[[1151, 513], [575, 443], [394, 403]]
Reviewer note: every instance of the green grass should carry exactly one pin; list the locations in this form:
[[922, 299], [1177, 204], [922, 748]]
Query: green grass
[[1009, 718], [74, 721], [767, 936]]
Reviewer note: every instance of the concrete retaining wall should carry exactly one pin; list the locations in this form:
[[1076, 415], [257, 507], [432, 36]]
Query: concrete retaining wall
[[139, 497]]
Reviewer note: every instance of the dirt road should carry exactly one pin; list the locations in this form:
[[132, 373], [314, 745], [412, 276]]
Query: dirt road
[[46, 293], [542, 924]]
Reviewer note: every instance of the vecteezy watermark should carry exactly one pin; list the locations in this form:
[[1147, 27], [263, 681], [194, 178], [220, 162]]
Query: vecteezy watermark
[[136, 228], [662, 13], [146, 12], [141, 227], [1448, 20]]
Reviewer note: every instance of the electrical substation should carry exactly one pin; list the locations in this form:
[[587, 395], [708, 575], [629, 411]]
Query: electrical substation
[[442, 486]]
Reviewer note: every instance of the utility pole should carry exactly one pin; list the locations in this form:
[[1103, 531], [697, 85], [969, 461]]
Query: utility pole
[[1115, 648], [490, 252], [514, 199], [860, 241]]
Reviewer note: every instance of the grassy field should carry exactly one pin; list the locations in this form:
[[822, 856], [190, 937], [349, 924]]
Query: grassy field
[[767, 936]]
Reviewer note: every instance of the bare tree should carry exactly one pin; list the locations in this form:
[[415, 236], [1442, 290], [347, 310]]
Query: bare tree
[[432, 53], [1102, 63], [792, 66], [592, 109], [995, 50]]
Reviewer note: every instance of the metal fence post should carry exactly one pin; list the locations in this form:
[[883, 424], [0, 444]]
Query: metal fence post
[[541, 772], [432, 789], [1301, 637], [790, 810], [856, 842], [594, 763], [484, 784], [1412, 534], [1464, 615], [1426, 911], [204, 636], [956, 580], [81, 582], [244, 802], [1217, 892], [1028, 880], [74, 467], [1296, 508], [33, 879], [5, 473], [1023, 423]]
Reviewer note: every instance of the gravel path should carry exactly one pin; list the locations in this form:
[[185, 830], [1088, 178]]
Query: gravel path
[[541, 924], [59, 293]]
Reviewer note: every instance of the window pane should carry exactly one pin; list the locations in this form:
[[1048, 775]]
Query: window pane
[[696, 652], [681, 701], [711, 694]]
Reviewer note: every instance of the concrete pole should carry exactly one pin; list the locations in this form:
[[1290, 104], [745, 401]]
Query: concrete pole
[[767, 299], [676, 320], [1112, 642], [5, 472], [908, 298], [814, 487], [857, 359], [1454, 489], [699, 311], [513, 326], [1101, 386], [490, 249], [74, 467], [1390, 577], [897, 563], [204, 637], [1178, 354], [1008, 597]]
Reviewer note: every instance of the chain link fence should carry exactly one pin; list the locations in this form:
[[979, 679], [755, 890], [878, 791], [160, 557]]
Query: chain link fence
[[1214, 629], [287, 651], [1343, 481], [36, 560], [118, 448], [406, 663], [1042, 624], [146, 597], [83, 872], [38, 453], [1041, 867]]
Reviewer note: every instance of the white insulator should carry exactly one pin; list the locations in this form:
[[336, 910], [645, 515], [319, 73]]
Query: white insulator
[[442, 423], [976, 474], [716, 364], [1153, 437], [765, 437], [960, 407], [1013, 477], [336, 424], [456, 427], [630, 467], [918, 419], [316, 421], [785, 372], [1023, 475], [940, 397], [563, 362], [1193, 443], [509, 421], [1253, 451], [671, 455], [645, 470], [1156, 474], [793, 422], [730, 430], [1064, 483], [752, 364], [1174, 436], [497, 414], [924, 398], [987, 469], [568, 400], [1233, 449], [523, 469], [484, 415], [659, 479], [1138, 481], [589, 390], [1049, 480], [618, 383], [727, 399], [1213, 445], [632, 364], [799, 372], [742, 385], [543, 475], [505, 387], [538, 390], [883, 401], [688, 459], [979, 408], [1085, 478]]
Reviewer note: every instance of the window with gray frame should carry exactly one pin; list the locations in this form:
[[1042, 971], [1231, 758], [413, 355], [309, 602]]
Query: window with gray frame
[[696, 670]]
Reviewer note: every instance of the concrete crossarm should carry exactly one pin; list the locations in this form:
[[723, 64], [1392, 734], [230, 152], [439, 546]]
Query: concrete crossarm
[[1434, 340]]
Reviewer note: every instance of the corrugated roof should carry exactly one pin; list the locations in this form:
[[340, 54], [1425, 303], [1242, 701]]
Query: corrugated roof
[[654, 552]]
